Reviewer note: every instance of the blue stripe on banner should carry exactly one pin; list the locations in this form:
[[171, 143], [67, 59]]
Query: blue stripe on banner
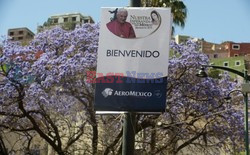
[[130, 94]]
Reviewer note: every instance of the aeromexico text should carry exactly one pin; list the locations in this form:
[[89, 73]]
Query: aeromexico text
[[110, 92], [132, 93], [132, 53]]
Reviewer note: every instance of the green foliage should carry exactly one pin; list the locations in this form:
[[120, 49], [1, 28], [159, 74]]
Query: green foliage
[[48, 22], [178, 9], [4, 68]]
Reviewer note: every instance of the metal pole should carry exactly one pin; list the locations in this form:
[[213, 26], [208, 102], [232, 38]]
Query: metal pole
[[246, 116], [128, 142]]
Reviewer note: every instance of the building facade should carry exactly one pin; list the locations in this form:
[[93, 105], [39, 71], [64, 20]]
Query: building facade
[[67, 21], [238, 49], [183, 38], [20, 34], [213, 50], [225, 49]]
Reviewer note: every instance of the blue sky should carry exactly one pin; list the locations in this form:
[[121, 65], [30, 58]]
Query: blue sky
[[214, 20]]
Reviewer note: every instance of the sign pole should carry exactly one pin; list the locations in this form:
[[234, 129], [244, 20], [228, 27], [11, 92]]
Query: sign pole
[[133, 93], [128, 142]]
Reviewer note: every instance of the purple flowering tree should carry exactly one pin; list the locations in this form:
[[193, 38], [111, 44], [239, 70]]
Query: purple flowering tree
[[44, 88], [197, 117]]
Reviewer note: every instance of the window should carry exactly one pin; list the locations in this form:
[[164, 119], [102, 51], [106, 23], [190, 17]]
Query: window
[[235, 46], [236, 55], [11, 33], [237, 63], [65, 19], [20, 32], [30, 35], [226, 64], [73, 19], [215, 55], [86, 21], [20, 38], [56, 20]]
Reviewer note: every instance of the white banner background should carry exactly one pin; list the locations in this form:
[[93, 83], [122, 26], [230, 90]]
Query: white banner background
[[145, 40]]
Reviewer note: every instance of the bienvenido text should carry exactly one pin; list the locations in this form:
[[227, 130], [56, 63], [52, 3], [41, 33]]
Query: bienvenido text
[[132, 53]]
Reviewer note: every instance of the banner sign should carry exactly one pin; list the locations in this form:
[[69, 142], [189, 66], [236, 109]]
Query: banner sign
[[132, 64]]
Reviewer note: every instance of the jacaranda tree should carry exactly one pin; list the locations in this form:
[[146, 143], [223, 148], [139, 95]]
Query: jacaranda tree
[[45, 90], [43, 86]]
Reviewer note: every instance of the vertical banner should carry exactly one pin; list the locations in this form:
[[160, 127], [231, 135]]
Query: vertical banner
[[132, 64]]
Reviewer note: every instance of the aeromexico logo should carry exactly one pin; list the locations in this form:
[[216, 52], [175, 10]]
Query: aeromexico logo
[[107, 92], [110, 92]]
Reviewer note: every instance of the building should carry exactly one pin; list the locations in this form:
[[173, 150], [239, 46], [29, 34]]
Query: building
[[68, 21], [213, 50], [227, 54], [238, 49], [225, 49], [21, 34], [183, 38]]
